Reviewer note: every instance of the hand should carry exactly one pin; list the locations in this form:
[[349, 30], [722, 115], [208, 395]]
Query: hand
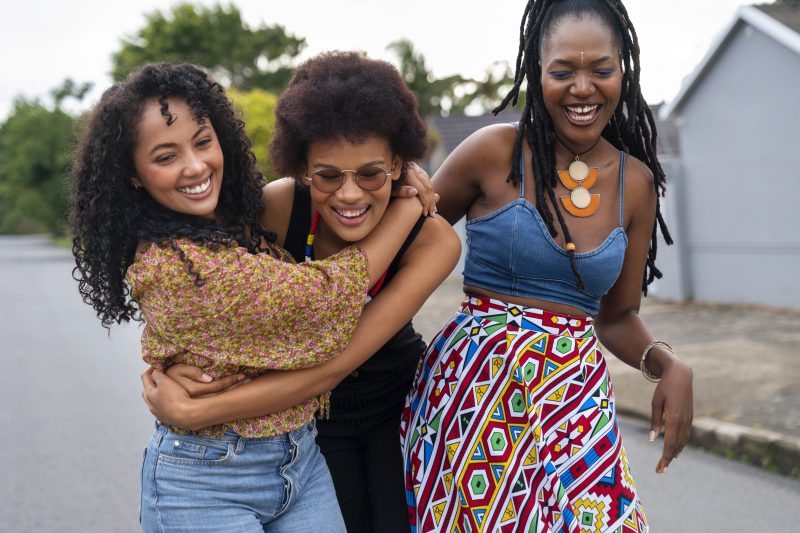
[[166, 399], [199, 384], [672, 406], [414, 181]]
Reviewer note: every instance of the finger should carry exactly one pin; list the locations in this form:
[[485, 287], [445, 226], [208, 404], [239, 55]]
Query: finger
[[189, 372], [147, 379], [404, 191], [656, 419], [219, 385], [671, 444], [158, 376]]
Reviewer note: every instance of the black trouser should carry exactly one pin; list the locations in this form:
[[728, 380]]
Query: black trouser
[[367, 471]]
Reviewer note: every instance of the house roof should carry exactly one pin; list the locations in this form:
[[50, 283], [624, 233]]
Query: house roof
[[786, 14], [667, 140], [781, 22], [454, 129]]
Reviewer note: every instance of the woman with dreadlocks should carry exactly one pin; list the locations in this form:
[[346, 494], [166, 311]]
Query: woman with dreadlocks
[[511, 423], [166, 214]]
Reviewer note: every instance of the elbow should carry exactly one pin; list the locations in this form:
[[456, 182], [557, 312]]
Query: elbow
[[607, 322]]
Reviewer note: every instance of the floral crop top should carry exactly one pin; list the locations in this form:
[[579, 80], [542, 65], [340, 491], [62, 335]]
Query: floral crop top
[[251, 314]]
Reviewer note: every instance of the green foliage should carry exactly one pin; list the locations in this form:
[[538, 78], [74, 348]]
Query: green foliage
[[35, 145], [257, 108], [451, 95], [218, 39]]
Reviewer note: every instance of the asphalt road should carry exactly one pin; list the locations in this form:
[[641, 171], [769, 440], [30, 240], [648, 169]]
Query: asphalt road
[[75, 425]]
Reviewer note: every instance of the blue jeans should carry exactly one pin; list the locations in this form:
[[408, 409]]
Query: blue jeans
[[277, 484]]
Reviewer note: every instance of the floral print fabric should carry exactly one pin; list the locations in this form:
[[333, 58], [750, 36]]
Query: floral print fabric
[[251, 314]]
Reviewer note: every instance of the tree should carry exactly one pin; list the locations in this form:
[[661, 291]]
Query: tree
[[258, 111], [452, 95], [218, 39], [35, 145]]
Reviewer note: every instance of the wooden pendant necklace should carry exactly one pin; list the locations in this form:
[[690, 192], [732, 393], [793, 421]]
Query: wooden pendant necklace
[[579, 178]]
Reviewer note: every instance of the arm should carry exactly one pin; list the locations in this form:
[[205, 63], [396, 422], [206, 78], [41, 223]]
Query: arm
[[623, 331], [463, 177], [426, 263], [414, 181], [380, 246]]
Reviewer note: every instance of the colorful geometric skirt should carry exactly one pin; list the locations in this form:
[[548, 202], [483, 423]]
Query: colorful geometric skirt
[[510, 427]]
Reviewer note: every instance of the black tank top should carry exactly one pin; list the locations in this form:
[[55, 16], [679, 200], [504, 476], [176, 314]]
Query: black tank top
[[376, 391]]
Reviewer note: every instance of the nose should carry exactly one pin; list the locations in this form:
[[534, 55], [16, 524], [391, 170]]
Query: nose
[[194, 164], [349, 189], [583, 85]]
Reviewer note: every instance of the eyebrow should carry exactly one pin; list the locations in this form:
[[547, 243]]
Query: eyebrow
[[197, 133], [371, 163], [570, 63]]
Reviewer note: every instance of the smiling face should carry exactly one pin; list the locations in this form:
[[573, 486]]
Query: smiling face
[[581, 79], [179, 165], [350, 213]]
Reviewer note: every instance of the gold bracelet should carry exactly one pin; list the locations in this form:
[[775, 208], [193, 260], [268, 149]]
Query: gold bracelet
[[649, 376]]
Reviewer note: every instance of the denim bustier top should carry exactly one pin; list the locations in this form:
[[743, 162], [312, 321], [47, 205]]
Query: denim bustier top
[[510, 251]]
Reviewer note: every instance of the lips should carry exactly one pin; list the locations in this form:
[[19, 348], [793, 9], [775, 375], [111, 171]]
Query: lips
[[197, 190], [583, 114], [351, 216]]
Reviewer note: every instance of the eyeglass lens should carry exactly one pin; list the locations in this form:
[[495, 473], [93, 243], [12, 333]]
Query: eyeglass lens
[[330, 179]]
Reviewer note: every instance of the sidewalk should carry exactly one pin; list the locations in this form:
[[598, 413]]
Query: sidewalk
[[746, 364]]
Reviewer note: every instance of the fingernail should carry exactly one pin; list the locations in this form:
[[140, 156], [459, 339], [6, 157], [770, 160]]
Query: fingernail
[[664, 471], [652, 436], [414, 190], [245, 382], [205, 377], [241, 377]]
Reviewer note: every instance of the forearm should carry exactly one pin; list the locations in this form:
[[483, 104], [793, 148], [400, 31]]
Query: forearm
[[279, 390], [383, 243], [627, 336]]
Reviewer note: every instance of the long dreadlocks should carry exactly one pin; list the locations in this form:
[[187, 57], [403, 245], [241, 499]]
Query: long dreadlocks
[[632, 128]]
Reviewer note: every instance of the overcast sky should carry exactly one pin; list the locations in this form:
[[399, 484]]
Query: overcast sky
[[42, 42]]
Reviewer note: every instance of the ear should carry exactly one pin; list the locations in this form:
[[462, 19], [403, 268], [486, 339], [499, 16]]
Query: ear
[[397, 168], [304, 179], [136, 182]]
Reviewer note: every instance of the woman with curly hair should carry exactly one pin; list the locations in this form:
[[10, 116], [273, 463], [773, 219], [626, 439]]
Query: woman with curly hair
[[340, 112], [167, 207], [511, 425]]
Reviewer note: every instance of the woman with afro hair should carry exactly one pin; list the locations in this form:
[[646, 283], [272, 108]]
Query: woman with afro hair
[[167, 213], [347, 129]]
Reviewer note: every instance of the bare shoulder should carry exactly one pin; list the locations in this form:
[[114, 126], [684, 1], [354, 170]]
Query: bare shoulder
[[491, 144], [436, 237], [639, 190], [476, 165], [278, 196]]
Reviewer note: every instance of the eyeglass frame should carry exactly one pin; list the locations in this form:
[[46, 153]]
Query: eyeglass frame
[[342, 177]]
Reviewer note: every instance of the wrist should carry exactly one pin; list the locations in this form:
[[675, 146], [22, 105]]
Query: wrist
[[188, 412], [410, 206], [660, 360]]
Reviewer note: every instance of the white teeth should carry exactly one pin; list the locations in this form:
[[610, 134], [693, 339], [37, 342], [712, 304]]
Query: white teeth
[[582, 113], [197, 189], [351, 213], [582, 109]]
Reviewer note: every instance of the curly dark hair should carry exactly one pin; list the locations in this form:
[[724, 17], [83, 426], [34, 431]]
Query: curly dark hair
[[110, 217], [345, 95], [632, 128]]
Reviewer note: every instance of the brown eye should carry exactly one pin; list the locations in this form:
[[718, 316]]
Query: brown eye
[[328, 174]]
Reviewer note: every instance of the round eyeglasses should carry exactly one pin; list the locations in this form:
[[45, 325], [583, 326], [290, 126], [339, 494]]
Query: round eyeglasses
[[369, 178]]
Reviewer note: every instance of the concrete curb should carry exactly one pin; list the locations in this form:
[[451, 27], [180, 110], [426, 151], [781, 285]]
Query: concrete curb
[[766, 449]]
